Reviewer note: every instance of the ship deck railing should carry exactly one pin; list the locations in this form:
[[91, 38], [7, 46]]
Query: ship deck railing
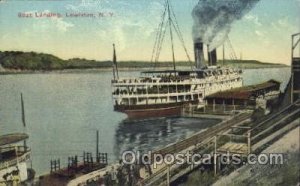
[[10, 156], [161, 94], [12, 151], [65, 175], [154, 92], [192, 81]]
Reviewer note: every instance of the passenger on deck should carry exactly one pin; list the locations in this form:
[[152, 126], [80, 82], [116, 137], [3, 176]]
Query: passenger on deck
[[120, 177], [113, 175], [107, 179]]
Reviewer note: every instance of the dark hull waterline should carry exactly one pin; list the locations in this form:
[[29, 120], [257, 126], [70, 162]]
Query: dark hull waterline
[[152, 111]]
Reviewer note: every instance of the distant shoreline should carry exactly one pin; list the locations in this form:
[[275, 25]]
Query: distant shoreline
[[96, 70], [19, 62]]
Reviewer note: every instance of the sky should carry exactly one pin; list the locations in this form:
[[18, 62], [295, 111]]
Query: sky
[[262, 34]]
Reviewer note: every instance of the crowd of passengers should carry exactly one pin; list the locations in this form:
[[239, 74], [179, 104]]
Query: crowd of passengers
[[153, 90], [124, 175], [161, 79], [170, 78]]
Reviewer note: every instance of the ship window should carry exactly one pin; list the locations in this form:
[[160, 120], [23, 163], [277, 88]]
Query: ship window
[[8, 154]]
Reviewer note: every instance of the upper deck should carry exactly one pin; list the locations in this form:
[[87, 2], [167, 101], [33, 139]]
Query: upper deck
[[12, 138], [11, 152], [179, 77]]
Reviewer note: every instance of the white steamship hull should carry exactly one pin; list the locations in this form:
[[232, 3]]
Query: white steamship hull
[[157, 97]]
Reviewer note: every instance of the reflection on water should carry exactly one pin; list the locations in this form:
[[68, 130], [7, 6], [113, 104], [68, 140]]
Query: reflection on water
[[149, 134]]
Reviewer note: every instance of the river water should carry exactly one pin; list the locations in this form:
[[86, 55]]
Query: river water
[[64, 111]]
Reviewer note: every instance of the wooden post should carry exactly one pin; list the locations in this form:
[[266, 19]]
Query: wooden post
[[51, 166], [215, 156], [292, 53], [219, 165], [97, 146], [292, 87], [214, 105], [223, 54], [69, 162], [249, 141], [83, 157], [25, 145], [55, 165], [294, 45], [176, 92], [147, 95], [58, 164], [168, 176]]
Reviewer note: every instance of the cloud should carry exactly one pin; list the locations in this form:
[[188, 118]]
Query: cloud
[[61, 24], [87, 5], [57, 23], [259, 33], [284, 24], [130, 21], [254, 19], [263, 38], [136, 24], [4, 36]]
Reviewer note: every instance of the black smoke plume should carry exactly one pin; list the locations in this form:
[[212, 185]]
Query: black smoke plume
[[213, 19]]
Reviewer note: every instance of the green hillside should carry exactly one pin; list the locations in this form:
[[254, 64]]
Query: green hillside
[[17, 60]]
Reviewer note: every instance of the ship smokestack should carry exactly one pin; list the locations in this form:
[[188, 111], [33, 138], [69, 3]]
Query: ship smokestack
[[212, 58], [199, 55]]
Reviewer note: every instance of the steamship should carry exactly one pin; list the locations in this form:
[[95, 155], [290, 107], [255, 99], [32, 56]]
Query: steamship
[[159, 93], [14, 157]]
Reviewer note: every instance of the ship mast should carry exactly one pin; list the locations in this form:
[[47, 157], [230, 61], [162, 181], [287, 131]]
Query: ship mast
[[168, 20], [115, 64], [23, 111], [23, 118], [171, 34]]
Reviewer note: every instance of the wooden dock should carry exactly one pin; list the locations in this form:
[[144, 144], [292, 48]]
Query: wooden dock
[[255, 137], [237, 134]]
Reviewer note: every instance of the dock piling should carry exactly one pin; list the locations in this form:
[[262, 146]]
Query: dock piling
[[54, 165]]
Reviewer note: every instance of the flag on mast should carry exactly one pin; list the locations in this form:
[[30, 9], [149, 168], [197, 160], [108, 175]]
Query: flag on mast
[[115, 65]]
